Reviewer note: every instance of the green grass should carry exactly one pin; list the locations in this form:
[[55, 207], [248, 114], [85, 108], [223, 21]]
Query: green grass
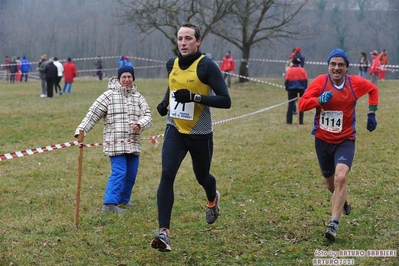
[[274, 206]]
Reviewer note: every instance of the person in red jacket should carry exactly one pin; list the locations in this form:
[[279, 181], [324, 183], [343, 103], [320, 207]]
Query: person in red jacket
[[375, 67], [334, 96], [228, 65], [383, 62], [69, 74], [296, 82]]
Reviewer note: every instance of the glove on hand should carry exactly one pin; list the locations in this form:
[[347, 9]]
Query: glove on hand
[[183, 96], [163, 108], [325, 97], [371, 122]]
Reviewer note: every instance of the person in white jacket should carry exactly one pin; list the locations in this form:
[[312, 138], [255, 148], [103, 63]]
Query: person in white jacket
[[60, 69], [126, 114]]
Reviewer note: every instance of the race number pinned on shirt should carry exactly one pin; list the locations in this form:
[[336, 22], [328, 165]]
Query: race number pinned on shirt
[[181, 110], [331, 121]]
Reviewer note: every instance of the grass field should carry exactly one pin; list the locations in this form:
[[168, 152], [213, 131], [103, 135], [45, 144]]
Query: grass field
[[274, 206]]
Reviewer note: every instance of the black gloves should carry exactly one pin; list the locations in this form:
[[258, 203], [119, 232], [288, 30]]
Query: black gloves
[[183, 96], [163, 108]]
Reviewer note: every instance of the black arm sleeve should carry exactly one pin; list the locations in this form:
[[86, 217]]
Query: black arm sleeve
[[166, 96], [209, 73], [169, 67]]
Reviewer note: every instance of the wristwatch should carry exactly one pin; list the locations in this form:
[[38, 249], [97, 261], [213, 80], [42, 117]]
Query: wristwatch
[[197, 98]]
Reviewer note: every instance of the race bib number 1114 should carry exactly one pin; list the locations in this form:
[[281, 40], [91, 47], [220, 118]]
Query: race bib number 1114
[[331, 121]]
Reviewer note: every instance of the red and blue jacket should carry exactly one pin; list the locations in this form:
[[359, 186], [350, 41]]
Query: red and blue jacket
[[296, 78], [343, 100]]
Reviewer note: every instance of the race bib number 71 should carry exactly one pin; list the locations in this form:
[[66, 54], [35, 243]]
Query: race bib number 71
[[331, 121], [181, 110]]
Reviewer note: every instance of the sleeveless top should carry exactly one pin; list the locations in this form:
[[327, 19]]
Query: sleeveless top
[[189, 118]]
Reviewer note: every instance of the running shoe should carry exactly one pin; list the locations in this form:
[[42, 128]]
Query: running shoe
[[331, 232], [162, 241], [213, 213], [347, 208]]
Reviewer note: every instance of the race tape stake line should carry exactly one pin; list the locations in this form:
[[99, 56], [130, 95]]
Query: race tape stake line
[[152, 139], [23, 153]]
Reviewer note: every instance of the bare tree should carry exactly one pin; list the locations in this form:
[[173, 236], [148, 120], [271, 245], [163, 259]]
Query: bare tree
[[393, 29], [166, 16], [341, 29], [84, 29], [244, 23], [363, 6], [257, 22]]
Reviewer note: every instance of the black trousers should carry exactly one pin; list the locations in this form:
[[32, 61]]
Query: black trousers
[[174, 149], [57, 84], [291, 105], [12, 78], [50, 87]]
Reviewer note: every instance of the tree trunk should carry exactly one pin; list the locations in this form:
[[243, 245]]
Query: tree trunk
[[244, 64]]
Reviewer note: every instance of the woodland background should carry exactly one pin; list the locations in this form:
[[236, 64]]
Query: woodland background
[[85, 29]]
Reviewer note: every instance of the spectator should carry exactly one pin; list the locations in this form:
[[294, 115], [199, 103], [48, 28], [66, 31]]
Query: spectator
[[300, 56], [289, 62], [121, 61], [18, 75], [7, 66], [296, 82], [383, 56], [60, 70], [99, 67], [25, 68], [41, 67], [12, 68], [51, 77], [126, 114], [69, 75], [364, 65], [126, 62], [293, 53], [228, 65], [375, 67]]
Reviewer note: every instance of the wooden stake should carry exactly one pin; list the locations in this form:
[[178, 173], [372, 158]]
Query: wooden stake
[[79, 180], [297, 107]]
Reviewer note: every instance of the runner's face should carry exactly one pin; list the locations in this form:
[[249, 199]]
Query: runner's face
[[337, 70], [186, 41]]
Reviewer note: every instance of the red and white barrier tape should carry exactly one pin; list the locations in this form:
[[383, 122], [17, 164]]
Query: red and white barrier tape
[[163, 62], [116, 69], [102, 58], [306, 62], [256, 80], [17, 154], [253, 113], [23, 153], [153, 140]]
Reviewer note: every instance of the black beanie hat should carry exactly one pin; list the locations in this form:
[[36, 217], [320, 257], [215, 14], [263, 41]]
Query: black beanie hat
[[124, 69]]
